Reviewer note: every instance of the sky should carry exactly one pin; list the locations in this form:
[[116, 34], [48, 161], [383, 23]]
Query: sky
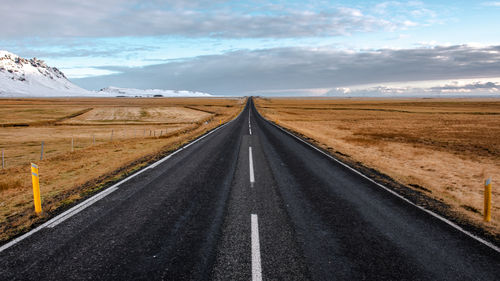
[[275, 48]]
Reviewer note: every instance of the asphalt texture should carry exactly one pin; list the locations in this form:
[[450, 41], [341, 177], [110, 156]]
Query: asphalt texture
[[189, 218]]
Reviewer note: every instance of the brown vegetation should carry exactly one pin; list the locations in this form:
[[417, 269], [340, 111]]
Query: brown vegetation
[[442, 148], [143, 130]]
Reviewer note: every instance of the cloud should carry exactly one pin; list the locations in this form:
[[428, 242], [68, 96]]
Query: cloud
[[454, 89], [83, 72], [251, 71], [488, 86], [87, 51], [491, 4], [220, 19], [410, 13]]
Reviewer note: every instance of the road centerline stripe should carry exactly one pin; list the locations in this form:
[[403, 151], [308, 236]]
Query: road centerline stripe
[[250, 162], [249, 124], [256, 265]]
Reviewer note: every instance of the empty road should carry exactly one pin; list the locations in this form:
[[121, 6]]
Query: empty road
[[247, 202]]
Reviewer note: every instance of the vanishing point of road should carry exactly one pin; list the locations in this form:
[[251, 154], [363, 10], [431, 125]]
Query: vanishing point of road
[[247, 202]]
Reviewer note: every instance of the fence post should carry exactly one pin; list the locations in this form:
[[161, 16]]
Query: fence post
[[111, 134], [72, 144], [3, 160], [93, 139], [41, 153], [487, 200]]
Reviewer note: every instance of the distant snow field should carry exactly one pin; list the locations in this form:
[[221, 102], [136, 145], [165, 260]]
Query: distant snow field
[[114, 91], [20, 77]]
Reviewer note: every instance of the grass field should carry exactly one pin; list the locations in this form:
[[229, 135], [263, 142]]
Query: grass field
[[443, 148], [111, 138]]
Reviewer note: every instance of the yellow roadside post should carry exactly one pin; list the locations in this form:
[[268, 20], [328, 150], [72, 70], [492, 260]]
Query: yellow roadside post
[[36, 188], [487, 200]]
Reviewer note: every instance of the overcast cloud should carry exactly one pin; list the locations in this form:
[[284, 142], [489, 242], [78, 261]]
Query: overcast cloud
[[453, 89], [257, 46], [258, 19], [242, 72]]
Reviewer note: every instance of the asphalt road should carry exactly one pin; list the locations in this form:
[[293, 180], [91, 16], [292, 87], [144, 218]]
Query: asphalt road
[[248, 202]]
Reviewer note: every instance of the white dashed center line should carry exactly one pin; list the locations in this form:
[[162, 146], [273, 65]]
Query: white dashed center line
[[250, 162], [249, 125], [256, 267]]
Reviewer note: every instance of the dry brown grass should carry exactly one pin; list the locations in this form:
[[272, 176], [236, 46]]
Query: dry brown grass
[[10, 115], [446, 146], [67, 176], [138, 115]]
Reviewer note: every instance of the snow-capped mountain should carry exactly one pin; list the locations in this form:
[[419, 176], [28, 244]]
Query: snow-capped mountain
[[20, 77], [115, 91]]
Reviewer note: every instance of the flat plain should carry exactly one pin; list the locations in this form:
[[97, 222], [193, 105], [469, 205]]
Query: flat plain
[[443, 148], [89, 143]]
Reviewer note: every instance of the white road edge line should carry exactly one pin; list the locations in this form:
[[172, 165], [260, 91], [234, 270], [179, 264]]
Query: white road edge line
[[81, 206], [445, 220], [250, 164], [256, 266]]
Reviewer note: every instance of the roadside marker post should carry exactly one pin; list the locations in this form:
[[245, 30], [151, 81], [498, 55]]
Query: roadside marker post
[[72, 145], [36, 188], [3, 159], [487, 200]]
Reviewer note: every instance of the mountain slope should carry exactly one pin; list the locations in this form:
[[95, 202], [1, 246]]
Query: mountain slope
[[21, 77]]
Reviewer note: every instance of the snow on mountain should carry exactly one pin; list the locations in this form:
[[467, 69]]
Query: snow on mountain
[[20, 77], [114, 91]]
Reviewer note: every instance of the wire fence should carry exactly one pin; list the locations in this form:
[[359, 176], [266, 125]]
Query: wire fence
[[19, 153]]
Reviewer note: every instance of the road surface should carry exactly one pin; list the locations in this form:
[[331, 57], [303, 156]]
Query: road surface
[[247, 202]]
